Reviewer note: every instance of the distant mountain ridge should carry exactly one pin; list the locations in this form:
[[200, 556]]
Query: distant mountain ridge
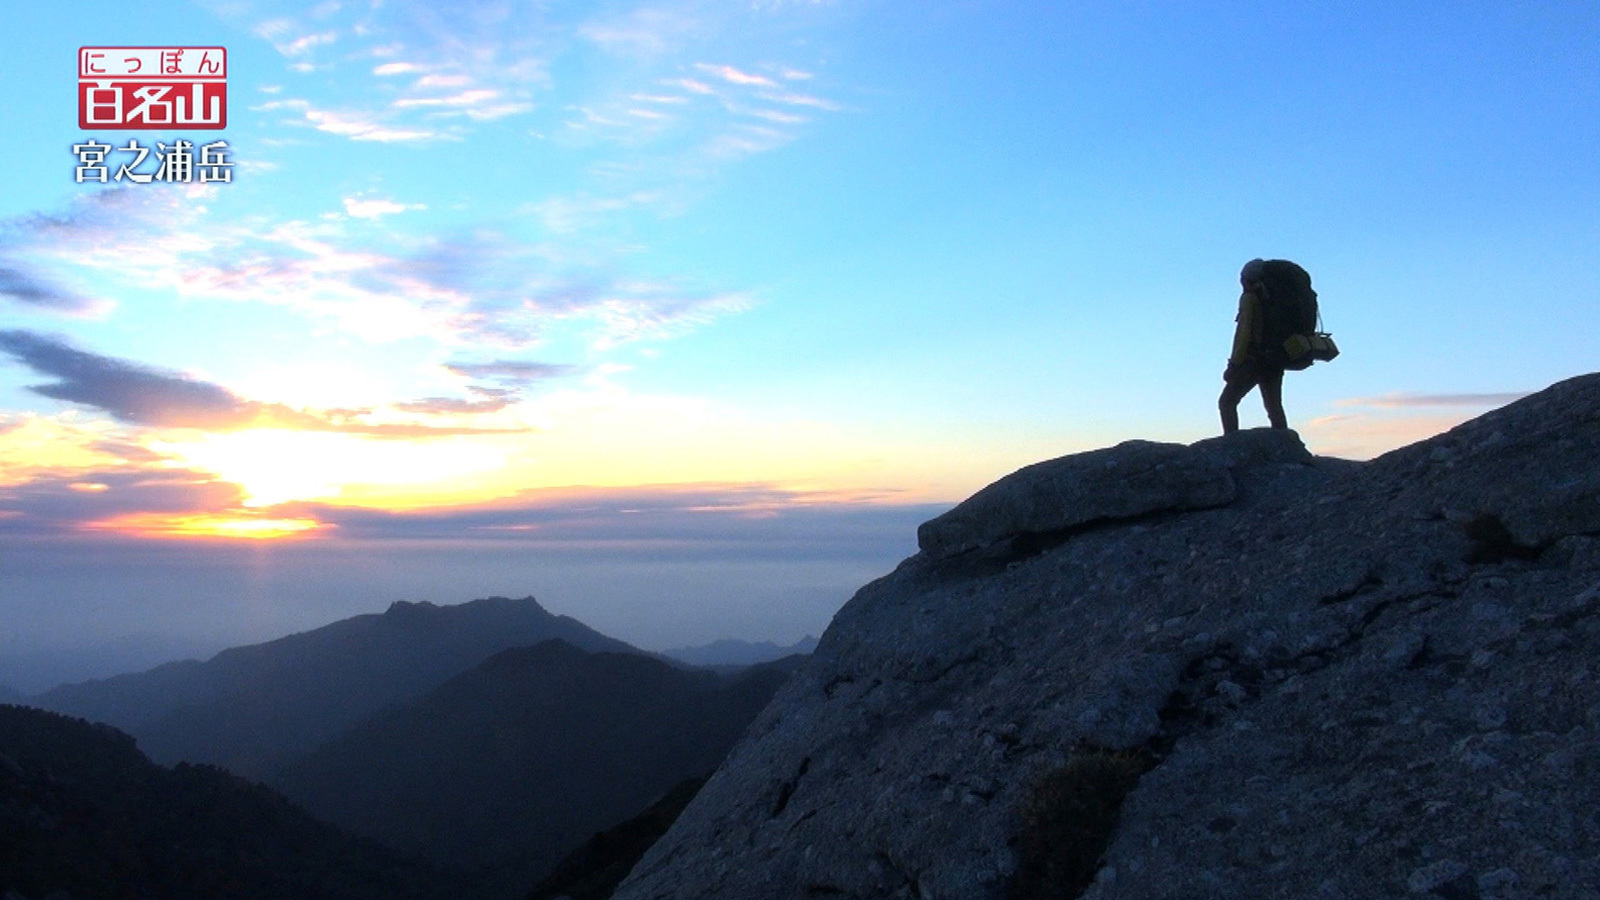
[[733, 652], [84, 814], [252, 709], [510, 765]]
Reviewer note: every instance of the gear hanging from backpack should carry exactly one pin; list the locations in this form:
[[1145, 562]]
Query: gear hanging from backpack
[[1292, 334]]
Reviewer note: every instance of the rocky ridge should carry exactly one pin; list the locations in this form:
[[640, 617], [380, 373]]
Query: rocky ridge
[[1274, 675]]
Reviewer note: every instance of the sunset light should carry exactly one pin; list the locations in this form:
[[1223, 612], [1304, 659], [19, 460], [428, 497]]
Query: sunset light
[[274, 466], [155, 525]]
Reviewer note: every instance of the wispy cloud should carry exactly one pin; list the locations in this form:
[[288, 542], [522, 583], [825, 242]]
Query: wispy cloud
[[648, 311], [1412, 401], [487, 55], [506, 380], [691, 85], [130, 393], [782, 118], [372, 208], [358, 125], [34, 446], [678, 127], [143, 395], [444, 81], [481, 288], [793, 99], [672, 514], [509, 371], [31, 290], [110, 230], [747, 140], [68, 502], [480, 104], [564, 215], [1372, 426], [490, 399], [725, 110], [442, 406], [306, 42], [396, 68], [647, 33], [465, 98], [143, 235], [1369, 434], [688, 87], [735, 76]]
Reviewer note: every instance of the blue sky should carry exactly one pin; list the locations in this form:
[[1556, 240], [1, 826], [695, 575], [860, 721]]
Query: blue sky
[[769, 270]]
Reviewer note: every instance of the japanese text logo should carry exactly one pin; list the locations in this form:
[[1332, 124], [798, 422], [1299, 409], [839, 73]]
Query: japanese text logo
[[153, 87]]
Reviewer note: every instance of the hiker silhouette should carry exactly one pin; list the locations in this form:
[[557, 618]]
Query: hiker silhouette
[[1255, 361]]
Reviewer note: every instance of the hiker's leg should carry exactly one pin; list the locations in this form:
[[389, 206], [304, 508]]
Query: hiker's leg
[[1272, 397], [1233, 391]]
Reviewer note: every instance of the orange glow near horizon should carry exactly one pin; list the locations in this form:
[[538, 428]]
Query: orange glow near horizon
[[158, 525]]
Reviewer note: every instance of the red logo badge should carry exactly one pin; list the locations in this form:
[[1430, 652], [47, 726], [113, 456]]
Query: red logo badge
[[153, 87]]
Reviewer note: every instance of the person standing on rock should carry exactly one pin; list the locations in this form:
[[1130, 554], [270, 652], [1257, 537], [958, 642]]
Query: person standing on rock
[[1252, 364]]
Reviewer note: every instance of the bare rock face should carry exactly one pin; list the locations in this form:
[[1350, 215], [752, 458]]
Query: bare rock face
[[1130, 480], [1244, 672], [1533, 466]]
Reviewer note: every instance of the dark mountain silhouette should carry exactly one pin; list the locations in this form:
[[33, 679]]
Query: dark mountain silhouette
[[252, 709], [512, 764], [84, 814], [729, 652], [593, 871]]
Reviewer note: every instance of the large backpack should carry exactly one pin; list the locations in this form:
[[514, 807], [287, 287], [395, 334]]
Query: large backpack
[[1288, 310]]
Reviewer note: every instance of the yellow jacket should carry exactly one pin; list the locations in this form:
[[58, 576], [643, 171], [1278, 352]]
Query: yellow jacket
[[1247, 335]]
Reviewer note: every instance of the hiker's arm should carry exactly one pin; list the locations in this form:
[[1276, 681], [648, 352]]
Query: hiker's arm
[[1248, 310]]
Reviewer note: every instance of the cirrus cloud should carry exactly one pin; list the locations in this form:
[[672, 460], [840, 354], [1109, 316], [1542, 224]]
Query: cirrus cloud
[[27, 289], [480, 287], [360, 208], [144, 395], [1408, 401]]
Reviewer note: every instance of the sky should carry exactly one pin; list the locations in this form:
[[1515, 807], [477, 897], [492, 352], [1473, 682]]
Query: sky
[[681, 315]]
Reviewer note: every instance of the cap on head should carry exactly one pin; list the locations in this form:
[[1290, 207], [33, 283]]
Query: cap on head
[[1252, 271]]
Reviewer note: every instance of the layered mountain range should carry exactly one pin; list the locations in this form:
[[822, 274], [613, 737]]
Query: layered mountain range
[[490, 738], [253, 709], [730, 653], [509, 765]]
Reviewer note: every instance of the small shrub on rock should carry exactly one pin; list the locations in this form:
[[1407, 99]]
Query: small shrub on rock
[[1065, 822]]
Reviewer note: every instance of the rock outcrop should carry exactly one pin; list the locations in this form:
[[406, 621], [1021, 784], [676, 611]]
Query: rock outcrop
[[1130, 480], [1223, 670]]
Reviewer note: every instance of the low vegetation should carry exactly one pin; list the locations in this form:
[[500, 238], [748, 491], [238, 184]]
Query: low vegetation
[[1066, 820]]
